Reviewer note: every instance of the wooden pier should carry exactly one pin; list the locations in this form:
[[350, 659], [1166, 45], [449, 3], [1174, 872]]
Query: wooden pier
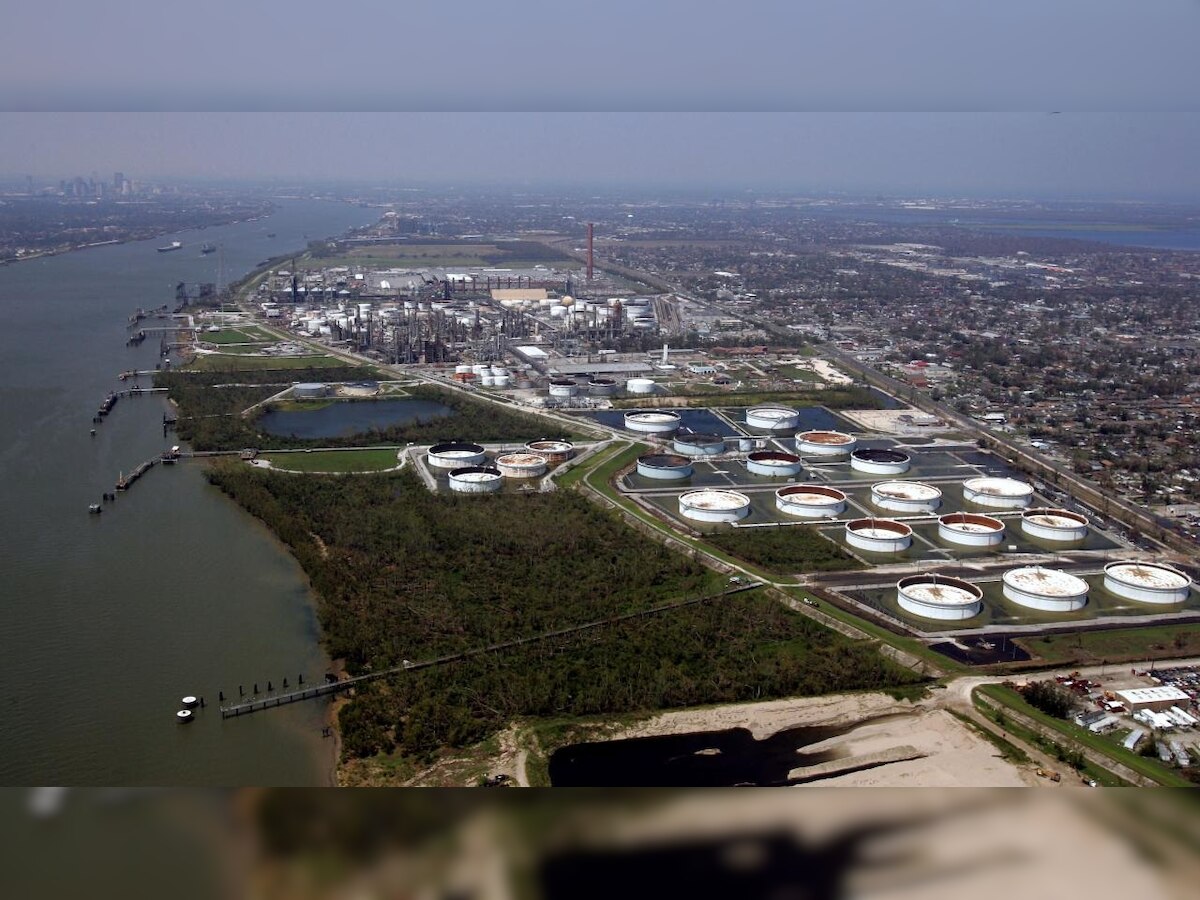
[[257, 704], [124, 482]]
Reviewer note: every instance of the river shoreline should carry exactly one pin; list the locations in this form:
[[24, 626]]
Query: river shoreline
[[131, 239]]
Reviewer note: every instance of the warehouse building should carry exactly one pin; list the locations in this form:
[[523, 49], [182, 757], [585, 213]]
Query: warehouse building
[[1156, 699]]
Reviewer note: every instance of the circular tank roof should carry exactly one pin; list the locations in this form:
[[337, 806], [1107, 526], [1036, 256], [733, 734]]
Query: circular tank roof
[[940, 591], [1147, 575], [476, 473], [664, 461], [710, 499], [969, 523], [1046, 582], [879, 528], [906, 490], [772, 412], [653, 417], [809, 493], [551, 446], [774, 456], [699, 439], [1054, 518], [826, 437], [880, 455], [456, 449], [998, 487], [521, 459]]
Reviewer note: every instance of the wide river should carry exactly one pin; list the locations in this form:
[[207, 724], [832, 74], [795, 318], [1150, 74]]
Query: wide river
[[106, 621]]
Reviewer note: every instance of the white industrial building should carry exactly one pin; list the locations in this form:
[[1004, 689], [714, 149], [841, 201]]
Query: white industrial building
[[1156, 699]]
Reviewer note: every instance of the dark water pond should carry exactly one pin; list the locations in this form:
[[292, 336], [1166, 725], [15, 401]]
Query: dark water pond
[[702, 759], [345, 418]]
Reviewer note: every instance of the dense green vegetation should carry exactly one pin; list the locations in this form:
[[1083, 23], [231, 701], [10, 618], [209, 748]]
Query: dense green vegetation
[[210, 416], [405, 574], [1049, 697], [790, 548]]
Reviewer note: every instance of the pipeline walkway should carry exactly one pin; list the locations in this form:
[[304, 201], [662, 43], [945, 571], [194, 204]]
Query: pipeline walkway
[[258, 704]]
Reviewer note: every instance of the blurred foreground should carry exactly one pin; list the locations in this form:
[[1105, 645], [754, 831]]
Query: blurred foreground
[[463, 844]]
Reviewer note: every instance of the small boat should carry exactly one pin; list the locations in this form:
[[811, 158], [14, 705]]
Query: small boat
[[183, 716], [271, 234], [207, 249], [95, 508], [174, 245]]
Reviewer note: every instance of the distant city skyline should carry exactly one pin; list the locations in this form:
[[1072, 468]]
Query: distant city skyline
[[1029, 155]]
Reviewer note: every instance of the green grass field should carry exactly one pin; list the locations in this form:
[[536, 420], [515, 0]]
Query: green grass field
[[1155, 642], [799, 374], [240, 335], [369, 460]]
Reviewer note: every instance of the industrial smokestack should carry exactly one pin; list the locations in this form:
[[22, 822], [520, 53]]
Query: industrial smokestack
[[589, 261]]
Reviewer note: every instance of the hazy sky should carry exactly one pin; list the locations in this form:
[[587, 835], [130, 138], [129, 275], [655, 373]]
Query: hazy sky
[[904, 96], [616, 55], [1126, 155]]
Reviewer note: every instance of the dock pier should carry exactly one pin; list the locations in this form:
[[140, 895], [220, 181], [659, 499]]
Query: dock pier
[[257, 704]]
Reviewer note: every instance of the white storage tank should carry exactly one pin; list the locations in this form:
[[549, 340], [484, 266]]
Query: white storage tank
[[1054, 524], [697, 444], [664, 466], [912, 497], [311, 390], [970, 530], [502, 381], [361, 389], [602, 387], [488, 380], [714, 506], [745, 445], [554, 452], [1147, 582], [824, 443], [1050, 590], [999, 493], [455, 455], [639, 386], [879, 461], [773, 418], [476, 480], [810, 501], [521, 465], [939, 597], [563, 387], [652, 422], [773, 464], [878, 535]]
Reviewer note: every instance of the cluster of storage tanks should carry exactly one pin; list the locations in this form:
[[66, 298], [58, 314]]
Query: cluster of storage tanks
[[634, 312], [468, 470], [486, 376], [1042, 589]]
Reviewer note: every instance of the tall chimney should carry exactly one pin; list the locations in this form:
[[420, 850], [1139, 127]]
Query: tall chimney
[[589, 261]]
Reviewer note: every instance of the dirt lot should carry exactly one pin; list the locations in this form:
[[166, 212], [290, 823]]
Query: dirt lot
[[954, 755]]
